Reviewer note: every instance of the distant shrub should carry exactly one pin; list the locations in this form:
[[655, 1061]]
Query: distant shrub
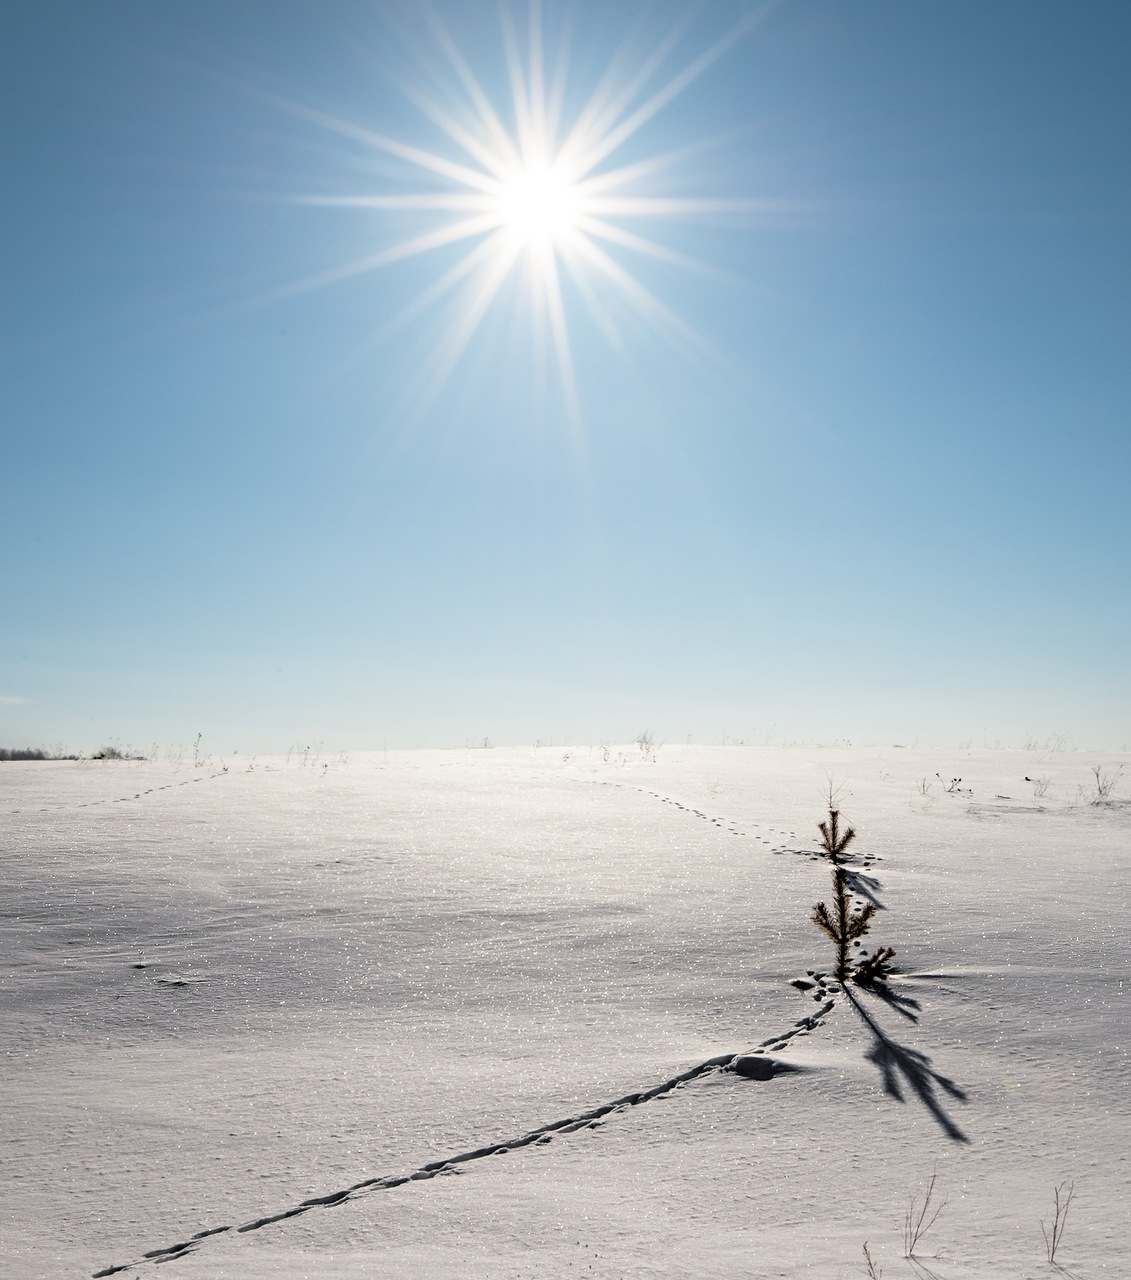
[[61, 753], [33, 753], [1105, 784]]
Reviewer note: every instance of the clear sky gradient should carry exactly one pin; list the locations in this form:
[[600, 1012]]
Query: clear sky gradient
[[885, 500]]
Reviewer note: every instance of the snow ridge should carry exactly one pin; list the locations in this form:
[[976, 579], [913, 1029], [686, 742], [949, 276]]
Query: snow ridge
[[755, 1066]]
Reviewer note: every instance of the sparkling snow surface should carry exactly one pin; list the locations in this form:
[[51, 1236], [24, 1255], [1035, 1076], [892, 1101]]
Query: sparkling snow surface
[[230, 990]]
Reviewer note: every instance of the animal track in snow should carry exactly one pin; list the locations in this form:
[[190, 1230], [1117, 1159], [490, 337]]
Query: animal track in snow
[[92, 804], [755, 1065], [779, 847], [729, 825]]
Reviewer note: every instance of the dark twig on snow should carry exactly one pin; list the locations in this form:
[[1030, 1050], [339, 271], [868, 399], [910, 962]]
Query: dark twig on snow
[[874, 1272], [918, 1221], [1062, 1198]]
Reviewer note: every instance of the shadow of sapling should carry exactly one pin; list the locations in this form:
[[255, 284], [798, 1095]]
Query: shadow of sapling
[[896, 1062]]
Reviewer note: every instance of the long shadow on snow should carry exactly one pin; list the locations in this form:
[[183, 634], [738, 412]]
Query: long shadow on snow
[[898, 1064], [902, 1005]]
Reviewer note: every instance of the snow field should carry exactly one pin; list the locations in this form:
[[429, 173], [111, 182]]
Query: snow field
[[353, 968]]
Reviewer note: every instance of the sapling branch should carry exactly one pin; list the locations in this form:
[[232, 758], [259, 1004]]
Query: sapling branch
[[874, 968]]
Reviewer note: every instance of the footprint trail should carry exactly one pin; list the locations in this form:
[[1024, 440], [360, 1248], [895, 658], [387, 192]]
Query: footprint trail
[[137, 795], [754, 1065], [785, 843], [730, 825]]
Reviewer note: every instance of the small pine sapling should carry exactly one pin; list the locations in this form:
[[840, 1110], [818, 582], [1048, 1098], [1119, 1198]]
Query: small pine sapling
[[845, 923]]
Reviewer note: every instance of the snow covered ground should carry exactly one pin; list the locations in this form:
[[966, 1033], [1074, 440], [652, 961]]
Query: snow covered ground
[[233, 987]]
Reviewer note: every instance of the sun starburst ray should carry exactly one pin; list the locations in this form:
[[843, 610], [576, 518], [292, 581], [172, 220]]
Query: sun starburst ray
[[616, 137], [483, 252], [490, 160], [520, 98], [641, 244], [465, 320], [610, 179], [419, 202], [614, 93], [556, 310], [500, 139], [374, 261], [536, 82], [556, 99], [664, 322], [414, 155], [665, 206], [432, 240]]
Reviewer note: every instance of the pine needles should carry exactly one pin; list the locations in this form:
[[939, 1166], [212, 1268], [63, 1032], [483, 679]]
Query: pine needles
[[874, 968], [846, 923]]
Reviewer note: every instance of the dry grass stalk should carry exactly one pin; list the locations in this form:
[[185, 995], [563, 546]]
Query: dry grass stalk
[[1062, 1198], [874, 1272], [916, 1223]]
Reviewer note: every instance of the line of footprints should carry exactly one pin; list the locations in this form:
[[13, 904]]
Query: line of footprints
[[90, 804], [731, 826], [756, 1065], [722, 824]]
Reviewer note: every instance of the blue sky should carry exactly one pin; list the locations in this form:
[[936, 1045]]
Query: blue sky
[[888, 503]]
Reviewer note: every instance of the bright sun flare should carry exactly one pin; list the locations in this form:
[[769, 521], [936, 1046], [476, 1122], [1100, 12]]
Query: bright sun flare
[[536, 197], [538, 204]]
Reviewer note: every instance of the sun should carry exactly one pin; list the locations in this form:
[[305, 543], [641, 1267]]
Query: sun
[[535, 194], [538, 205]]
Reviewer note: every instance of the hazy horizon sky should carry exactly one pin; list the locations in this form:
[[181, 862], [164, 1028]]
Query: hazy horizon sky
[[864, 478]]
